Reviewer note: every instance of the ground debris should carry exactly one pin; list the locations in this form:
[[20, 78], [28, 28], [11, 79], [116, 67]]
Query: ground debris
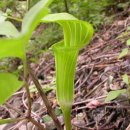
[[99, 70]]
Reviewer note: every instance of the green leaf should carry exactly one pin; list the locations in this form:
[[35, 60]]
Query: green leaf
[[114, 94], [46, 88], [58, 112], [47, 118], [12, 48], [128, 28], [123, 53], [8, 85], [125, 79], [8, 29], [15, 47], [128, 42], [2, 17], [33, 17]]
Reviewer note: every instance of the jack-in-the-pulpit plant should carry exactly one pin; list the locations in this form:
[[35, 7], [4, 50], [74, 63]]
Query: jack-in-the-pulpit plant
[[77, 34]]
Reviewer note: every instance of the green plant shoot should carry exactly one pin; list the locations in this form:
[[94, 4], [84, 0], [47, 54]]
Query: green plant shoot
[[15, 43], [77, 34]]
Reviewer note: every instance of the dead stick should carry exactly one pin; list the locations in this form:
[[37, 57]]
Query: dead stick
[[66, 6], [44, 98], [40, 127]]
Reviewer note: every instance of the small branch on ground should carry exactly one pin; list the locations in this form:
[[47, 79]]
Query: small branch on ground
[[40, 127], [13, 108], [45, 100]]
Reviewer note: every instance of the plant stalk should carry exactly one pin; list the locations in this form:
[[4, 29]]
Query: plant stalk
[[67, 119], [27, 87], [66, 6], [5, 121], [28, 4]]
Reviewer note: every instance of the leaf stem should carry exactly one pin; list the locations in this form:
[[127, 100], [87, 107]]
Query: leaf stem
[[13, 18], [5, 121], [27, 86], [28, 4]]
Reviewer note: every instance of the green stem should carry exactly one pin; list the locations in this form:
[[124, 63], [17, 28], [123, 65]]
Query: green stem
[[5, 121], [67, 118], [26, 85], [28, 4], [66, 6], [13, 18]]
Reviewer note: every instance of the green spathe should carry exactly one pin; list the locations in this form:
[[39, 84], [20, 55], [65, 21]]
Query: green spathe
[[65, 69], [77, 34]]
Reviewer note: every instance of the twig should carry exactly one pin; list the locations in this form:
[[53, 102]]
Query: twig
[[96, 87], [109, 119], [89, 100], [86, 78], [13, 108], [40, 127], [45, 100], [118, 107], [28, 4], [17, 93], [18, 125], [23, 101], [66, 6]]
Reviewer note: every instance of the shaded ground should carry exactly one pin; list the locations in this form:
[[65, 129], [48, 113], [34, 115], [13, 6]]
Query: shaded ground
[[97, 63]]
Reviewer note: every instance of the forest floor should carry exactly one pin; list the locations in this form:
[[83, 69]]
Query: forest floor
[[99, 71]]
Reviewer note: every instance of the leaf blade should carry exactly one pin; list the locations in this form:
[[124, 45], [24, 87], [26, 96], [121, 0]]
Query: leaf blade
[[114, 94], [8, 29], [128, 42], [33, 17], [125, 79], [5, 89], [123, 53], [12, 48]]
